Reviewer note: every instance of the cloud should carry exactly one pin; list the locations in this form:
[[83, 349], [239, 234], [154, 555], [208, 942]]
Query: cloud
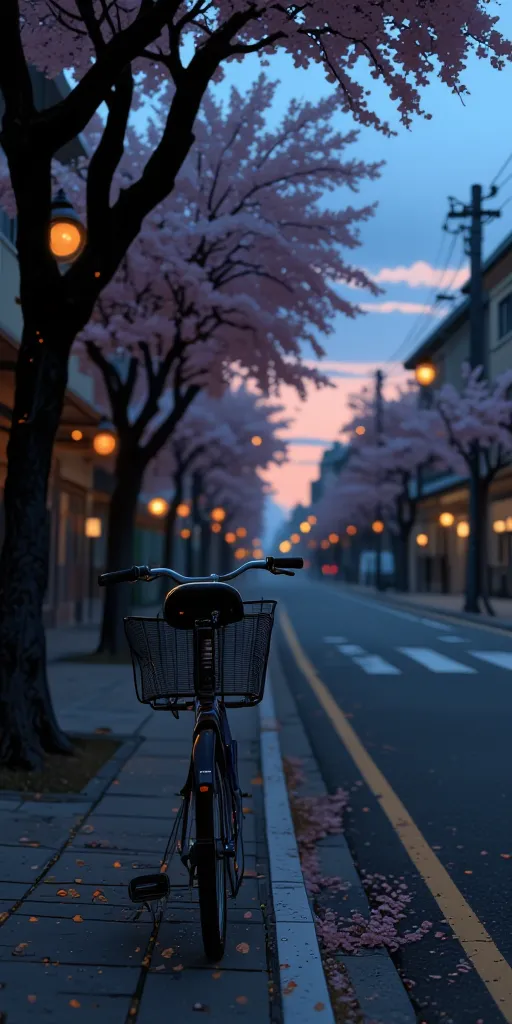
[[423, 275], [408, 308]]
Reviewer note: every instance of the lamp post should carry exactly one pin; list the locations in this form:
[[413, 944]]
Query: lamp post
[[93, 530], [67, 235], [105, 439], [446, 520]]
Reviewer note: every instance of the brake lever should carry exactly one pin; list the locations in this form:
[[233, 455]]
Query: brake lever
[[283, 572]]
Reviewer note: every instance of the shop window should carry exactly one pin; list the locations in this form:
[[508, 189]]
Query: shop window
[[505, 316]]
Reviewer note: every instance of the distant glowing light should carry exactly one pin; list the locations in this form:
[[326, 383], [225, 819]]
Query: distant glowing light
[[158, 507], [463, 529], [305, 527], [285, 546]]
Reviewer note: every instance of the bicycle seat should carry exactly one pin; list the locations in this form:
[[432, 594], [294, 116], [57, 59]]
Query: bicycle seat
[[187, 603]]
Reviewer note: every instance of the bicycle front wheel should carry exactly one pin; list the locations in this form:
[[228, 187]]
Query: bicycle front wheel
[[211, 865]]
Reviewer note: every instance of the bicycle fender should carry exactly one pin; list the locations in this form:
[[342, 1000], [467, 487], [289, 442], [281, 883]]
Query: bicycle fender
[[203, 757]]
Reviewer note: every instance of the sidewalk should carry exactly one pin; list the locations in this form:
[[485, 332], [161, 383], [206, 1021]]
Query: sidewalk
[[70, 940], [447, 604]]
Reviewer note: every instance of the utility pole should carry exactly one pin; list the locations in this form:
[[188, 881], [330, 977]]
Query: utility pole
[[379, 377], [478, 356]]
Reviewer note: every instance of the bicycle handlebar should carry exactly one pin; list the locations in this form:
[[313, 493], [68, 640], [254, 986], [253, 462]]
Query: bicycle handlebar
[[277, 566]]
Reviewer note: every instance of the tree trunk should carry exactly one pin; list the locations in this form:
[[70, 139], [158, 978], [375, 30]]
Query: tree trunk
[[28, 725], [205, 550], [170, 526], [476, 566], [402, 558], [120, 543]]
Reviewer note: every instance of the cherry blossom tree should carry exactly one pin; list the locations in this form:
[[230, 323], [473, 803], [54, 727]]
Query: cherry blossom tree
[[214, 441], [121, 52], [477, 420], [229, 279], [387, 472]]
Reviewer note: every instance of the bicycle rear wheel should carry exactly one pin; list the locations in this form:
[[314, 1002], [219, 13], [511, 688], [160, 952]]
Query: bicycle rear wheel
[[211, 865]]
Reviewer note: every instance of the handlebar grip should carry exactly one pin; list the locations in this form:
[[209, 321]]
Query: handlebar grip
[[122, 576], [288, 563]]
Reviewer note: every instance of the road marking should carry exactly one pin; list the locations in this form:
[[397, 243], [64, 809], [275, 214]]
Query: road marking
[[445, 617], [435, 625], [373, 665], [450, 639], [334, 640], [351, 649], [503, 659], [434, 661], [478, 945]]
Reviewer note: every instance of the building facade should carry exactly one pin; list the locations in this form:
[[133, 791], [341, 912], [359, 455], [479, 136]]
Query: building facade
[[440, 565]]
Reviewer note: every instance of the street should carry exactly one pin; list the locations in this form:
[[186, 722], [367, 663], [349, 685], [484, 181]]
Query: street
[[431, 702]]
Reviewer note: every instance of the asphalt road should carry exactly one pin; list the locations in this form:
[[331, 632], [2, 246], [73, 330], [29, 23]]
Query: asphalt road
[[431, 701]]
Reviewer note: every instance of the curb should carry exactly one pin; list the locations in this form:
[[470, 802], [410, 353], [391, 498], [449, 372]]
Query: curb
[[297, 944], [486, 621], [376, 982]]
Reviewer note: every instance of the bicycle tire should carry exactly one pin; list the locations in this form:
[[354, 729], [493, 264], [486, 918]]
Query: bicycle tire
[[211, 867]]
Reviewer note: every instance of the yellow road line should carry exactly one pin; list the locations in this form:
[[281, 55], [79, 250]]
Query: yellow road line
[[485, 956]]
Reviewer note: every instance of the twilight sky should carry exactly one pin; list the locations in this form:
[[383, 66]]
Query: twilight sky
[[403, 247]]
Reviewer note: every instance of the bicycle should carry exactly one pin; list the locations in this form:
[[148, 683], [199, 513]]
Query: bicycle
[[208, 653]]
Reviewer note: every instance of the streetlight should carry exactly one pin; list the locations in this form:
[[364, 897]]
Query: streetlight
[[77, 435], [93, 531], [462, 529], [230, 537], [216, 527], [324, 544], [67, 234], [285, 546], [499, 526], [158, 507], [351, 530], [312, 520], [241, 531], [378, 526], [105, 439], [185, 533], [446, 519], [360, 430], [183, 510], [425, 374], [422, 540], [258, 553], [218, 515], [333, 538], [295, 538], [240, 553], [256, 440], [305, 527]]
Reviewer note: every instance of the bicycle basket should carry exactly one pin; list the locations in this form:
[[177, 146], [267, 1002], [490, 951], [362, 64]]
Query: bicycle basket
[[163, 658]]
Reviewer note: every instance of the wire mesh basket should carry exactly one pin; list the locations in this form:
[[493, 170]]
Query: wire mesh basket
[[163, 659]]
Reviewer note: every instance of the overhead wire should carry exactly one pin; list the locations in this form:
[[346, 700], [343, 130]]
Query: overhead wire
[[416, 330], [502, 168]]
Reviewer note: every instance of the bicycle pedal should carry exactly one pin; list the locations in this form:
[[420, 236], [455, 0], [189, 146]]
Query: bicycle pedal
[[149, 887]]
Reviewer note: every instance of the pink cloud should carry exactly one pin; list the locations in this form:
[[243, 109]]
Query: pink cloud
[[407, 308], [321, 416], [423, 275]]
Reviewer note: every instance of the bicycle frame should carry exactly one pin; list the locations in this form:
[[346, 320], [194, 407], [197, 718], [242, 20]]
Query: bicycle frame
[[212, 739]]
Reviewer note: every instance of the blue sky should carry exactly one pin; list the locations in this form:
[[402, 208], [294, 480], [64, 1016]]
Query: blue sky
[[460, 146]]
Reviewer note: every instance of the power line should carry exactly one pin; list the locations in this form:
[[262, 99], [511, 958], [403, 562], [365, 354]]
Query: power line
[[415, 331], [505, 165]]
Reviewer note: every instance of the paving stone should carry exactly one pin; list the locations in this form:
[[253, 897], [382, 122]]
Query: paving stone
[[55, 808], [47, 831], [99, 868], [138, 807], [13, 890], [66, 908], [245, 946], [118, 944], [103, 994], [152, 786], [235, 995], [23, 865], [47, 892]]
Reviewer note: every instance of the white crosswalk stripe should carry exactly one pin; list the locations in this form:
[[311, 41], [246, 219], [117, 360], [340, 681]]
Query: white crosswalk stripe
[[450, 639], [351, 649], [374, 665], [503, 659], [434, 661]]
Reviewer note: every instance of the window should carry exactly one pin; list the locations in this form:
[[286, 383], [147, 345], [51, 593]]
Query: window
[[505, 316], [8, 226]]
